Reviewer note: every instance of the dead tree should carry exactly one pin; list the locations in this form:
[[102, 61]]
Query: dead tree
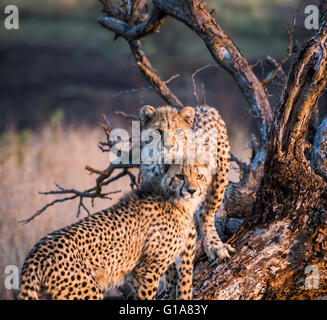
[[282, 194]]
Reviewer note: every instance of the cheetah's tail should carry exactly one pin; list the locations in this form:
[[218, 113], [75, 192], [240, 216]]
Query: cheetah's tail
[[30, 286]]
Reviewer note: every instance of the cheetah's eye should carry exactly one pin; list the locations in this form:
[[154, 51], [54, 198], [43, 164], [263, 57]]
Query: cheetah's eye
[[200, 177], [179, 176]]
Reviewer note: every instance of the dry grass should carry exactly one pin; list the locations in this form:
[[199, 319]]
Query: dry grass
[[30, 163]]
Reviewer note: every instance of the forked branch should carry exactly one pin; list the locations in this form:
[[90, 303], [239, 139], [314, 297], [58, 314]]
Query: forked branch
[[279, 66], [105, 177], [151, 75], [131, 23]]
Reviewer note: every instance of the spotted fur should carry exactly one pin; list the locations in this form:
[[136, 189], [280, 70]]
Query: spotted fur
[[167, 121], [140, 236]]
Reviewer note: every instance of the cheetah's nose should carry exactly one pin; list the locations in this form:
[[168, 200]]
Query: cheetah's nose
[[191, 191]]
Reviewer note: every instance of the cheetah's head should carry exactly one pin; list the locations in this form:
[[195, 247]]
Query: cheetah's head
[[164, 125], [185, 181]]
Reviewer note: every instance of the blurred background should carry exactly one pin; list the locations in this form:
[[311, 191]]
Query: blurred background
[[61, 71]]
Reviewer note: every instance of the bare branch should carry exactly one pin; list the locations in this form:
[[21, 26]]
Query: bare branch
[[280, 73], [104, 178], [92, 193], [226, 54], [172, 78], [106, 126], [127, 116], [39, 212], [130, 32], [81, 205], [150, 74], [136, 9], [194, 83], [204, 97], [271, 76], [194, 15], [134, 90]]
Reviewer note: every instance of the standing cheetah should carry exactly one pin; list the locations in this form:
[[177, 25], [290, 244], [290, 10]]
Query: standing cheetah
[[141, 235], [167, 123]]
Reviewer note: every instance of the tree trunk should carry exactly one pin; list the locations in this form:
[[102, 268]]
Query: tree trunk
[[282, 247]]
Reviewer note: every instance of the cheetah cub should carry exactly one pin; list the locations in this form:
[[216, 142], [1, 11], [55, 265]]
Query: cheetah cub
[[168, 124], [141, 235]]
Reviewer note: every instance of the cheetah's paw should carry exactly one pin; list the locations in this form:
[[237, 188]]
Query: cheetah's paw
[[220, 252]]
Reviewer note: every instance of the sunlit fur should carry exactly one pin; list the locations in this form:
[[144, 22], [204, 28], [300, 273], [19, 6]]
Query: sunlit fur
[[141, 235], [208, 125], [167, 121], [164, 124]]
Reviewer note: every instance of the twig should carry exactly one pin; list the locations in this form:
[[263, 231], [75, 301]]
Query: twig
[[104, 178], [91, 193], [274, 64], [107, 124], [127, 116], [81, 205], [271, 76], [172, 78], [39, 212], [194, 83], [92, 170], [150, 73], [134, 90], [132, 32], [204, 97]]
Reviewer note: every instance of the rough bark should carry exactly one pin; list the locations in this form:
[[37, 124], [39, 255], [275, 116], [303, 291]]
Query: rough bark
[[282, 193], [285, 237]]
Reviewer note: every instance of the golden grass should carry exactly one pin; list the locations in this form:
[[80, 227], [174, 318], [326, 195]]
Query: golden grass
[[33, 166]]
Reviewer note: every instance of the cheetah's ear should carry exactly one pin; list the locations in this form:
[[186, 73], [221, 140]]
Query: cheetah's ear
[[188, 114], [146, 114]]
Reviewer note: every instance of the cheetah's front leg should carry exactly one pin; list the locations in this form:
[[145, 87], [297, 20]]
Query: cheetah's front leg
[[213, 246], [185, 268]]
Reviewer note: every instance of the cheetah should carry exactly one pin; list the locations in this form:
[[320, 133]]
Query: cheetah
[[140, 236], [168, 123]]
